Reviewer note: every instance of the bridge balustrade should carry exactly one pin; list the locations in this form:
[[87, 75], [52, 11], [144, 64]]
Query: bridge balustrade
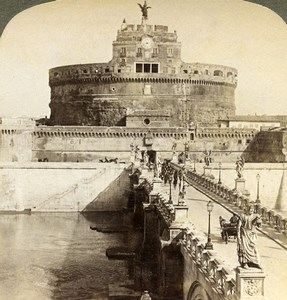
[[204, 266], [215, 272], [264, 214], [276, 221]]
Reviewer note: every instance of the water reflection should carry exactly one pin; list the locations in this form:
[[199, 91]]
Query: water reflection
[[57, 256]]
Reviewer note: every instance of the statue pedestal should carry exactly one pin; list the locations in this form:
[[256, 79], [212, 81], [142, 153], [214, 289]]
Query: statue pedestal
[[181, 212], [156, 185], [132, 158], [144, 171], [206, 170], [249, 284], [137, 163], [174, 157], [240, 187], [240, 184]]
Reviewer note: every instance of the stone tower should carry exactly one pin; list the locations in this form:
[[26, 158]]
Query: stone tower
[[145, 73]]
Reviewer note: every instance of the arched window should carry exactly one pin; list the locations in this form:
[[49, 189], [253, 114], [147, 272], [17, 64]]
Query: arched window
[[218, 73]]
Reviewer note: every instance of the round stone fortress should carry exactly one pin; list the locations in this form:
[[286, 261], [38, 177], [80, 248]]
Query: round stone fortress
[[145, 77]]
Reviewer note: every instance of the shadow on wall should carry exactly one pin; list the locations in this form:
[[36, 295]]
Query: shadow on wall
[[114, 197], [265, 147]]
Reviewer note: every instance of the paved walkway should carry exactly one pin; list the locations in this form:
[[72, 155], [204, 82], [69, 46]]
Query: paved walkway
[[273, 256], [279, 238]]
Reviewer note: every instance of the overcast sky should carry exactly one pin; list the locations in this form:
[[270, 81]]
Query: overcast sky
[[236, 33]]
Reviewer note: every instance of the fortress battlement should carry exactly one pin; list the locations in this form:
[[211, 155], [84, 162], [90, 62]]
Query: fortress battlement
[[192, 73]]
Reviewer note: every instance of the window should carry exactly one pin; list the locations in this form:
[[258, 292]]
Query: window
[[218, 73], [195, 72], [147, 68], [155, 50], [169, 51], [123, 50], [139, 68], [146, 121], [192, 136], [139, 52], [206, 72], [239, 142], [154, 68]]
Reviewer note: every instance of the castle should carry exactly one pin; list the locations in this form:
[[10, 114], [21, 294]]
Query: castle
[[145, 97], [145, 74]]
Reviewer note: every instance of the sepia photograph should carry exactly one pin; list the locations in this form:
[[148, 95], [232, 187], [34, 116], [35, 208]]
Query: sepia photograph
[[143, 149]]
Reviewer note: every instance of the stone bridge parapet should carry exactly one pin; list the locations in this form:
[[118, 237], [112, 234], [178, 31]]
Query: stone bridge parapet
[[213, 274], [180, 264], [232, 198]]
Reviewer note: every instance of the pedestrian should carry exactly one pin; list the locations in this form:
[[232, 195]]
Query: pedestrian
[[234, 220]]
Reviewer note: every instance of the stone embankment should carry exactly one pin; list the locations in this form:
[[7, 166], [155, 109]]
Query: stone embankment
[[62, 186]]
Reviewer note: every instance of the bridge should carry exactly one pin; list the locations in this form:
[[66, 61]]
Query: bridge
[[175, 263]]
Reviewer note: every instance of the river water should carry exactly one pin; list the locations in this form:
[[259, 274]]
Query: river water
[[57, 256]]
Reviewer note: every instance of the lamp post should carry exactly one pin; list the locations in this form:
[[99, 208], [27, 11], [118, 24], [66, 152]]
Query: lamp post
[[257, 202], [170, 175], [194, 161], [219, 174], [186, 150], [209, 245]]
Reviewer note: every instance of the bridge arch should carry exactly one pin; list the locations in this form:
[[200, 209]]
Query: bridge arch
[[197, 292]]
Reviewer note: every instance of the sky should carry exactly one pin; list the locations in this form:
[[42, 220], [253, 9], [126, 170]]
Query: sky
[[235, 33]]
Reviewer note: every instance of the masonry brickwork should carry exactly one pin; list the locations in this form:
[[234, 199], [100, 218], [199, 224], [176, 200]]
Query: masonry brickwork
[[145, 73]]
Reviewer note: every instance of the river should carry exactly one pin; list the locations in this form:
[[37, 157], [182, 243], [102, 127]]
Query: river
[[57, 256]]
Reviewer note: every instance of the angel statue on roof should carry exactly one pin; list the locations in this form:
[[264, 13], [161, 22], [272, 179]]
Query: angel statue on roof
[[144, 9]]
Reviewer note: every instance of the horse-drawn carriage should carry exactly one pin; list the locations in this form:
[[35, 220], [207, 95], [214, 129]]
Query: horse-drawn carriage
[[228, 229]]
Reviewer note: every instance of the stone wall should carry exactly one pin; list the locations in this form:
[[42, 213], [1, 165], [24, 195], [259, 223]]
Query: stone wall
[[99, 101], [95, 143], [16, 145], [90, 143], [62, 187], [268, 146]]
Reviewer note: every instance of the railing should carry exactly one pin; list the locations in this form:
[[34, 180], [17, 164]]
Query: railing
[[215, 272], [223, 193], [206, 266], [161, 202]]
